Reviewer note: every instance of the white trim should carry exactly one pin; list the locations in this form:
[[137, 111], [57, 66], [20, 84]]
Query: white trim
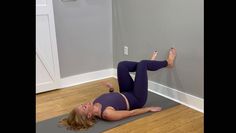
[[178, 96], [46, 86], [86, 77], [52, 29], [186, 99], [52, 68]]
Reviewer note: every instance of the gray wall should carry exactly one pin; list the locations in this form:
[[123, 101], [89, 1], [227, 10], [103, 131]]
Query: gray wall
[[148, 25], [84, 35]]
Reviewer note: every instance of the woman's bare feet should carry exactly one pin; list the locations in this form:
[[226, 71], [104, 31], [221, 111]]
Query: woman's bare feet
[[171, 57], [154, 55]]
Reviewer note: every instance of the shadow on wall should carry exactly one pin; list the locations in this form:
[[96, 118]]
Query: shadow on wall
[[173, 78]]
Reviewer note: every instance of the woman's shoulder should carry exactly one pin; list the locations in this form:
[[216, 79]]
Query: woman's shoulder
[[107, 111]]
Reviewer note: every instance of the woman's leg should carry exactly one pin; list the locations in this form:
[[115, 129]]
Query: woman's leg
[[141, 79], [125, 81]]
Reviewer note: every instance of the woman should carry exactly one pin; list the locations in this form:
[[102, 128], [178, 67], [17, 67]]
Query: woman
[[119, 105]]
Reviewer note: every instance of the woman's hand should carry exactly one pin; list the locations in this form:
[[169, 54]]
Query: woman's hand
[[109, 85], [154, 109]]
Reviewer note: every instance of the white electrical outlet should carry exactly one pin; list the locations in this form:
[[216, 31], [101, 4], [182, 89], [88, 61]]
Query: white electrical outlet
[[126, 50]]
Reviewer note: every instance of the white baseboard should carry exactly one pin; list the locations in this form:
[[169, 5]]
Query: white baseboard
[[178, 96], [86, 77], [191, 101]]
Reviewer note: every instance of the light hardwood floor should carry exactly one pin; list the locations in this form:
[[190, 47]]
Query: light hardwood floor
[[178, 119]]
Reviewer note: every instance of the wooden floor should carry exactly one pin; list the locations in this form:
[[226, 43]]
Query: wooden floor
[[178, 119]]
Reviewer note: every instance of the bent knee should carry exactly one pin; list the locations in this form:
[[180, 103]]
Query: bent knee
[[122, 63]]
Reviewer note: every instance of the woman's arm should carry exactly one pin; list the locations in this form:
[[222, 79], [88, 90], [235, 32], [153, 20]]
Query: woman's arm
[[117, 115]]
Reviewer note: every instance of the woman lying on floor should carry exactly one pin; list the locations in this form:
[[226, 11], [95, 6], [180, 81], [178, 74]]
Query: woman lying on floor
[[126, 103]]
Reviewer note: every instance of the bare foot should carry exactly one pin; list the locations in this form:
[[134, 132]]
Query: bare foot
[[171, 57], [154, 55]]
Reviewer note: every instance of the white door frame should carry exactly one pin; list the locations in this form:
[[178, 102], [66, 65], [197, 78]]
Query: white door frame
[[45, 8]]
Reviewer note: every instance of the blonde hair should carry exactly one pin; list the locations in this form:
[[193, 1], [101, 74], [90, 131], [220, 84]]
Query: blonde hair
[[77, 121]]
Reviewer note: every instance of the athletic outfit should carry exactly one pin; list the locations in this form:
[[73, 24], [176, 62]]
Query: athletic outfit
[[135, 91]]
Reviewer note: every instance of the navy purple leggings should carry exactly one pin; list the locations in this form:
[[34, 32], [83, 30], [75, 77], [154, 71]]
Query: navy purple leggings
[[136, 91]]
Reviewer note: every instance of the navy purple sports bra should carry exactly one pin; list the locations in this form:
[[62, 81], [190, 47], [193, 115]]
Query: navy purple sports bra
[[113, 99]]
